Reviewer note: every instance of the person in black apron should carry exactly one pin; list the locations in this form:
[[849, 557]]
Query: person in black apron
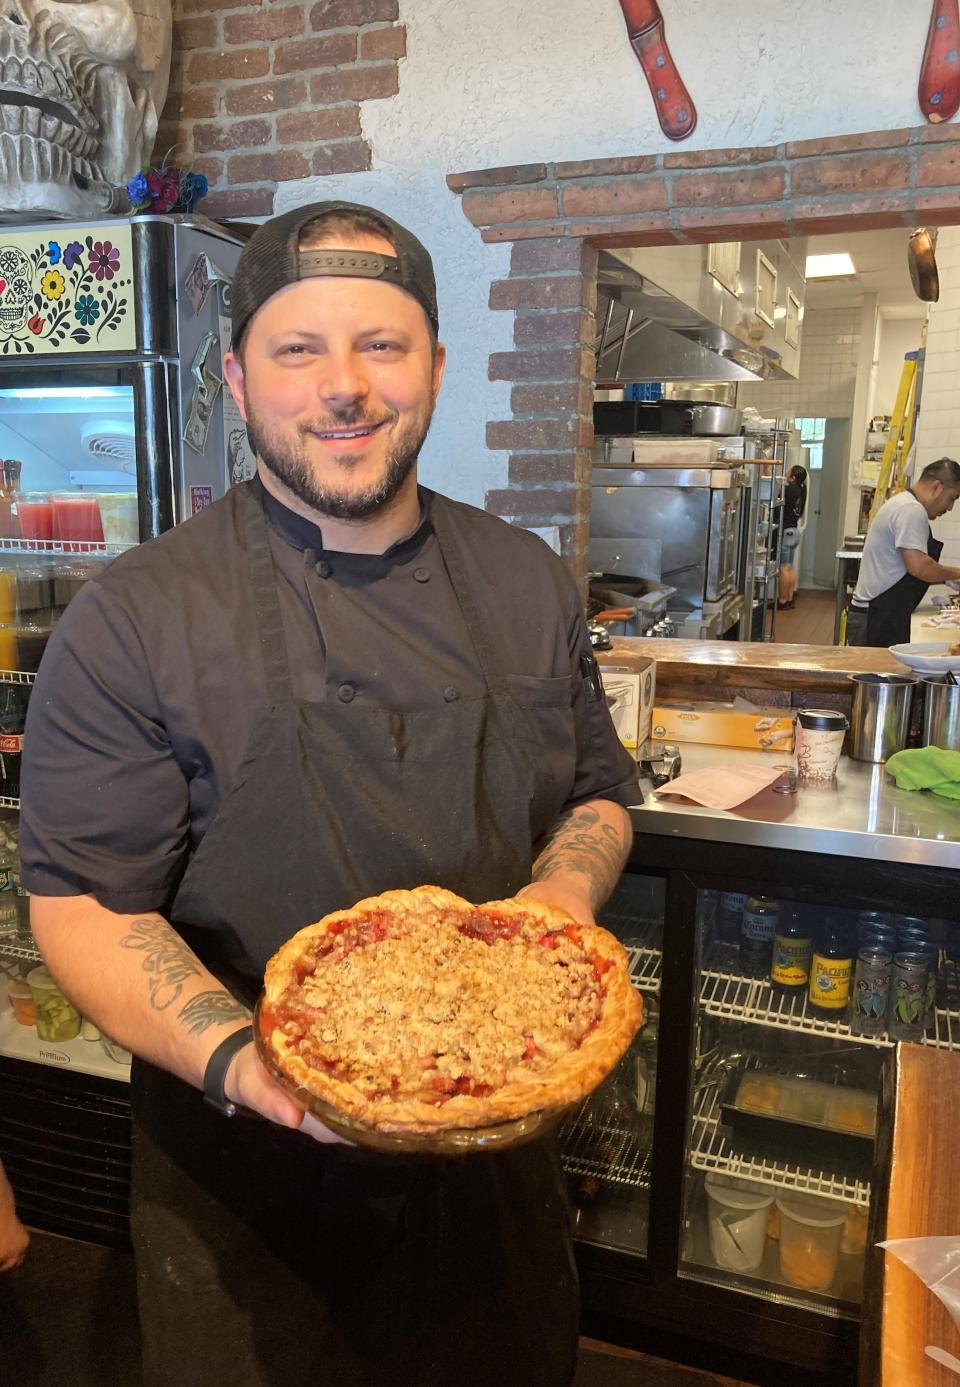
[[263, 1256], [882, 618]]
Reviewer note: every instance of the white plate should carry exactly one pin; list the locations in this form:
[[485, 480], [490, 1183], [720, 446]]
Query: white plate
[[927, 657]]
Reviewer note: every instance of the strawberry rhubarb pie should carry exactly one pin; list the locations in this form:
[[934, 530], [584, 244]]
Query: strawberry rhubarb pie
[[416, 1012]]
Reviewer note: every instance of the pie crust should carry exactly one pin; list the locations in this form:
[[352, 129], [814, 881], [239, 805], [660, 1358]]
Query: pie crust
[[417, 1013]]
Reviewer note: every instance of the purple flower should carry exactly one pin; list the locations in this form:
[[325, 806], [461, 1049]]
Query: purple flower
[[72, 255], [104, 259]]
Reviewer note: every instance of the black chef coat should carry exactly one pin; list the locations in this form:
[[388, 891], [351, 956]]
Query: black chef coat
[[157, 680]]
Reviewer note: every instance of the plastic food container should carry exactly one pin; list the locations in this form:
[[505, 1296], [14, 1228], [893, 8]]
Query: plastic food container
[[737, 1221], [119, 517], [57, 1019], [810, 1233], [785, 1117], [21, 999]]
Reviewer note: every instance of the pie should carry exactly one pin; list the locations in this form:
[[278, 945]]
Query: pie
[[416, 1012]]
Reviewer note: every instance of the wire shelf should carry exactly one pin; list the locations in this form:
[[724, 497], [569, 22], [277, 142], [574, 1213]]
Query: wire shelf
[[612, 1155], [645, 955], [731, 996], [62, 546], [710, 1150], [17, 676], [8, 802], [11, 946]]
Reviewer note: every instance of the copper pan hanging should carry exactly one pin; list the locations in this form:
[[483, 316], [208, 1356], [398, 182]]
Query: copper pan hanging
[[922, 260]]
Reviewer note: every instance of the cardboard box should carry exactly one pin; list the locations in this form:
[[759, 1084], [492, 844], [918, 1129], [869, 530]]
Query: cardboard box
[[723, 724], [632, 692]]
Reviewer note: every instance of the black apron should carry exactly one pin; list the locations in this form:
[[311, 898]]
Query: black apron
[[264, 1257], [888, 616]]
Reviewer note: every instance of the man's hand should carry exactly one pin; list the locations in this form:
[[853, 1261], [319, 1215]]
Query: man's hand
[[249, 1085], [562, 897]]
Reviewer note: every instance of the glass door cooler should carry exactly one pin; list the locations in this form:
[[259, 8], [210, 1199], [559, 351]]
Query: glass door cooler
[[736, 1227], [114, 426]]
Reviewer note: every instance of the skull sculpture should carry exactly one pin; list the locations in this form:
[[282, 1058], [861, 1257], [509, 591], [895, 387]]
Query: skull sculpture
[[81, 85], [16, 276]]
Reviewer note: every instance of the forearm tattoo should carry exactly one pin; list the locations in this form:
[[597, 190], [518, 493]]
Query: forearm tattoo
[[166, 960], [584, 844], [208, 1009]]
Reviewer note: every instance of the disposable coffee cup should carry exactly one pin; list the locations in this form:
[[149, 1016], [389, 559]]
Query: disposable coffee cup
[[820, 734]]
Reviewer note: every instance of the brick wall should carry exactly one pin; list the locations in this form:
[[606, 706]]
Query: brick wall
[[262, 94], [557, 214]]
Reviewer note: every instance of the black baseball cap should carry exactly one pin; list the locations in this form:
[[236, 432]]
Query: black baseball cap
[[272, 259]]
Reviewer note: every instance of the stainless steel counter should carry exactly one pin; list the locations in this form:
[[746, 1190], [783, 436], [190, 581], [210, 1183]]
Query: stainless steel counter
[[862, 814]]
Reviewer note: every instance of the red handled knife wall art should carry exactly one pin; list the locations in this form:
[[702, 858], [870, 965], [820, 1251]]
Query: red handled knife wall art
[[645, 29], [939, 91]]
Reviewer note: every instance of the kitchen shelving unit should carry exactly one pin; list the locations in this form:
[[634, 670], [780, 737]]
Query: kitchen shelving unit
[[761, 535]]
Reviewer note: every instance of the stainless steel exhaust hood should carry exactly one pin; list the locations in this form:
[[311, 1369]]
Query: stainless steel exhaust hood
[[663, 315]]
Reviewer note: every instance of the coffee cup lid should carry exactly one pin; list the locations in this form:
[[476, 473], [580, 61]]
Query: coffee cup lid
[[822, 720]]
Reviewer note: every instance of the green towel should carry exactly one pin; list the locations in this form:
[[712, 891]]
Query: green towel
[[927, 768]]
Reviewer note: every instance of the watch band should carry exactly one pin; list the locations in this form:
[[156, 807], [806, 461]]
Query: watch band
[[214, 1076]]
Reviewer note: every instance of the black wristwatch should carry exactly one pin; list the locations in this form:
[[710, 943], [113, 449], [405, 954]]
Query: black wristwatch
[[215, 1074]]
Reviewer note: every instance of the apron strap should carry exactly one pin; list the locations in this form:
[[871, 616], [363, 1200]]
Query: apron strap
[[266, 605], [490, 663]]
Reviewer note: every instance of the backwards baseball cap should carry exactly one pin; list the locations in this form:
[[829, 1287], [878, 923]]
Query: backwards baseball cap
[[272, 259]]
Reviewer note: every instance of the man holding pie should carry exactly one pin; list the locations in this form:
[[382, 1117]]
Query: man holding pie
[[312, 693]]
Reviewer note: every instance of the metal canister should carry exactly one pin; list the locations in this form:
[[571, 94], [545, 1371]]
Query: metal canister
[[871, 990], [909, 983]]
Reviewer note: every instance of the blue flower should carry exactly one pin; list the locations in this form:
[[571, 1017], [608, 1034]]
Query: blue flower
[[137, 189], [72, 255], [193, 186], [53, 252], [87, 310]]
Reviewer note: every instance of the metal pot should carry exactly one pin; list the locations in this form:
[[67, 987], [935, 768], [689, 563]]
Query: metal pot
[[721, 420], [922, 260]]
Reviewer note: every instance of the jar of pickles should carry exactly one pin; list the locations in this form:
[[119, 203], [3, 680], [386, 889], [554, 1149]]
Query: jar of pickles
[[57, 1019]]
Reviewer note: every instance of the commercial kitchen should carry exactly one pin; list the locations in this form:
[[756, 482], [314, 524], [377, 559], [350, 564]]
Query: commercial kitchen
[[729, 1183]]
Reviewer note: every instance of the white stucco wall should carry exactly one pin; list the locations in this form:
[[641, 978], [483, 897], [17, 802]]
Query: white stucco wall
[[495, 82]]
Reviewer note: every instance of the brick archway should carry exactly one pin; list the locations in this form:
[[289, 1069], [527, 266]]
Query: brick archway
[[558, 215]]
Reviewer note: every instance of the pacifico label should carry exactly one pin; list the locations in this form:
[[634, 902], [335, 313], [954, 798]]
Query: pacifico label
[[830, 981], [791, 961]]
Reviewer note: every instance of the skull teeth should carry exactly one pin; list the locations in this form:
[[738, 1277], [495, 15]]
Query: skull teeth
[[52, 68], [30, 120]]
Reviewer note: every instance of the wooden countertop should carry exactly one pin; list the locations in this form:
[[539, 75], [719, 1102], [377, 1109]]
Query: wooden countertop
[[758, 665]]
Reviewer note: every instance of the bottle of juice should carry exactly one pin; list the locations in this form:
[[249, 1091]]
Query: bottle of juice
[[9, 482], [831, 968]]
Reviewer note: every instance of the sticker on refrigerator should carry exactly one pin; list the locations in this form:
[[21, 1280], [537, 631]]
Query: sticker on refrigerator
[[206, 388], [240, 465], [66, 289], [200, 498]]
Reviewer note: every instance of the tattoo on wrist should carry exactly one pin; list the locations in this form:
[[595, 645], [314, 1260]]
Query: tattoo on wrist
[[584, 844], [208, 1009], [166, 960]]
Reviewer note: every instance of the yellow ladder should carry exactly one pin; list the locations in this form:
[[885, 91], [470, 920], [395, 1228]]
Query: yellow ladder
[[897, 447]]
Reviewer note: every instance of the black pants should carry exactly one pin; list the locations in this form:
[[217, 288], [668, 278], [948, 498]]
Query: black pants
[[264, 1258]]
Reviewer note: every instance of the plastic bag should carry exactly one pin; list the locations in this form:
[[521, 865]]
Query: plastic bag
[[937, 1263]]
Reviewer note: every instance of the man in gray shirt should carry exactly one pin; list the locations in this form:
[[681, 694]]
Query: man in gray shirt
[[901, 558]]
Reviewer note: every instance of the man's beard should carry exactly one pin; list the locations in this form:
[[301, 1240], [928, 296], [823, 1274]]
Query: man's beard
[[290, 464]]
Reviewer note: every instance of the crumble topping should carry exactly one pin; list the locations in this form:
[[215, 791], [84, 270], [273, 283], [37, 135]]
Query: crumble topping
[[460, 1002]]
